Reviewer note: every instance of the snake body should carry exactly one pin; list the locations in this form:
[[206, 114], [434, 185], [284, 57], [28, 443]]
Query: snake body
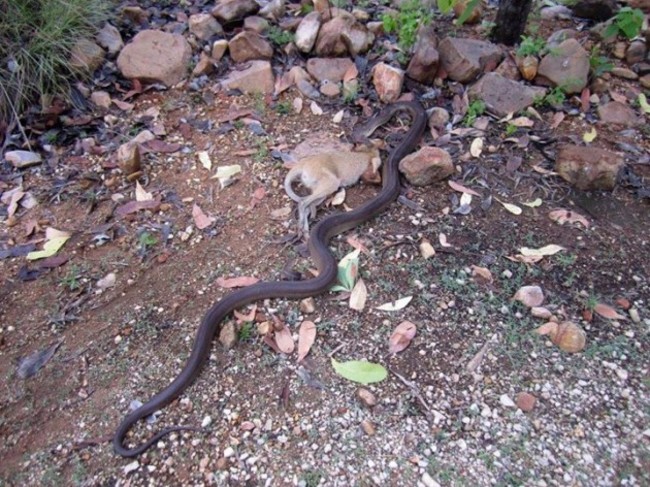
[[325, 262]]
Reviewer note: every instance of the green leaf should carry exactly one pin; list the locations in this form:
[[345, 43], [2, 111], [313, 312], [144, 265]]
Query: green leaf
[[643, 103], [445, 5], [360, 371], [50, 248], [471, 5], [348, 270]]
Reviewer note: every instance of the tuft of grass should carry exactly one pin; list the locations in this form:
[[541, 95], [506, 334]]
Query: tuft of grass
[[531, 46], [475, 110], [412, 14], [627, 21], [278, 36], [36, 38]]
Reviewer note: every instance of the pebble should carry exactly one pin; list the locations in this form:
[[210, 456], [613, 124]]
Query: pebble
[[228, 452], [505, 401], [131, 467]]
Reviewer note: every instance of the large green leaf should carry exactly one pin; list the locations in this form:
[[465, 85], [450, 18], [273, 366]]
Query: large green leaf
[[360, 371]]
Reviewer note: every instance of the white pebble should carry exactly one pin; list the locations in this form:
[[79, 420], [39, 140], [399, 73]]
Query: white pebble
[[506, 401], [228, 452], [131, 467], [207, 421]]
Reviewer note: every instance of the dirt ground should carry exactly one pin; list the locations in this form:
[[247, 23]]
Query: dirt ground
[[272, 421]]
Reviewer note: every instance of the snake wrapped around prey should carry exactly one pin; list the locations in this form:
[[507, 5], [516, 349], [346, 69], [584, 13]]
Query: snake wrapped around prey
[[325, 262]]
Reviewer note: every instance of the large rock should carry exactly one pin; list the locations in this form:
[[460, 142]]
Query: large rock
[[155, 56], [85, 55], [424, 62], [331, 69], [257, 77], [233, 10], [426, 166], [588, 168], [566, 66], [110, 39], [343, 35], [503, 96], [307, 31], [249, 45], [204, 26], [617, 113], [388, 82], [464, 59]]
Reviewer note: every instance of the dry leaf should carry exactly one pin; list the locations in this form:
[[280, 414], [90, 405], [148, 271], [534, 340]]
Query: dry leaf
[[558, 117], [476, 148], [483, 274], [54, 240], [306, 338], [514, 209], [473, 365], [284, 340], [442, 238], [338, 198], [608, 312], [522, 122], [225, 174], [590, 136], [533, 204], [356, 243], [563, 216], [270, 341], [315, 109], [297, 105], [241, 281], [401, 337], [201, 220], [426, 249], [395, 305], [245, 317], [530, 296], [141, 194], [465, 199], [135, 206], [338, 116], [525, 259], [358, 296], [204, 159], [461, 189], [551, 249]]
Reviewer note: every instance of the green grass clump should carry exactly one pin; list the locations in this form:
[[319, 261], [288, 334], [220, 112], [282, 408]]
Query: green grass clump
[[412, 14], [36, 37]]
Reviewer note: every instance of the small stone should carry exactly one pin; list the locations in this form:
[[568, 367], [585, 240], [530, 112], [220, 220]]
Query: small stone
[[368, 427], [228, 452], [526, 401], [366, 397], [634, 315], [101, 99], [131, 467], [22, 158], [307, 305], [505, 401], [207, 421], [622, 374], [222, 464]]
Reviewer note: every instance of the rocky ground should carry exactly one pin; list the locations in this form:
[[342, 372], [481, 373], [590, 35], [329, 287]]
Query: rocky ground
[[525, 210]]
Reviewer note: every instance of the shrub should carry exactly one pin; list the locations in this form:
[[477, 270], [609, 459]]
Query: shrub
[[36, 37]]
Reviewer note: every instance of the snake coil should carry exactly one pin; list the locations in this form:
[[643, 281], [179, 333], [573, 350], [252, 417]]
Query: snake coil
[[325, 262]]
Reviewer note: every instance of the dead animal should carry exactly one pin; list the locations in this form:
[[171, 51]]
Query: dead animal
[[325, 173]]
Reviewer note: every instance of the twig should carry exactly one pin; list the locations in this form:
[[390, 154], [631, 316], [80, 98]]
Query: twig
[[415, 391]]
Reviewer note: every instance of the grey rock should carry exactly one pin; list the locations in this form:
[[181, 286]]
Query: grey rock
[[233, 10], [464, 59], [249, 45], [307, 31], [331, 69], [588, 168], [204, 26], [110, 39], [424, 62], [598, 10], [87, 56], [155, 56], [22, 158], [503, 96], [618, 113], [256, 24], [257, 77], [636, 52], [566, 66]]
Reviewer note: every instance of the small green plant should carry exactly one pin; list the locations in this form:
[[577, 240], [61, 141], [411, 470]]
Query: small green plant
[[627, 21], [262, 151], [278, 36], [245, 331], [510, 129], [283, 107], [412, 14], [475, 110], [566, 260], [259, 103], [599, 64], [312, 478], [71, 280], [555, 97], [350, 92], [146, 240], [531, 46]]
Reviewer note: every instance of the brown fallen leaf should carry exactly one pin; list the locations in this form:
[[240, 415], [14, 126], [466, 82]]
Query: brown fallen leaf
[[562, 216], [241, 281], [356, 243], [462, 189], [270, 341], [141, 194], [135, 206], [306, 338], [401, 337], [358, 296], [284, 340], [201, 220], [157, 145], [608, 312]]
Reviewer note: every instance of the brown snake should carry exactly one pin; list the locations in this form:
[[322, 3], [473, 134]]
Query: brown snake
[[321, 255]]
